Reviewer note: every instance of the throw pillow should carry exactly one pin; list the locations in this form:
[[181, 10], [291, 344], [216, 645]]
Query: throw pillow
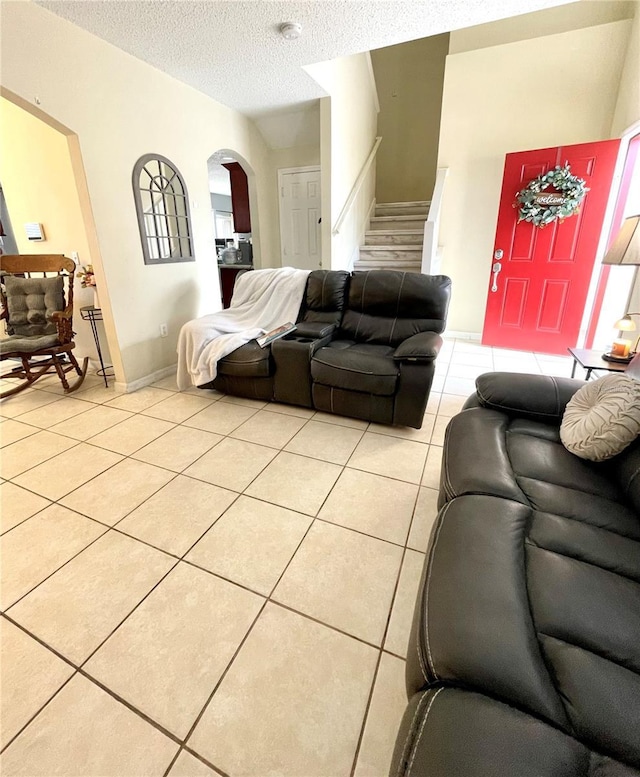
[[602, 418]]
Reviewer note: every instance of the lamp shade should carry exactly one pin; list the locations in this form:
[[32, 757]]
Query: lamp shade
[[625, 249], [626, 324]]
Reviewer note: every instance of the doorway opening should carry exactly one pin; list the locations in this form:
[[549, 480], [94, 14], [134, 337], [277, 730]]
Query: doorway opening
[[46, 151], [8, 243], [231, 188]]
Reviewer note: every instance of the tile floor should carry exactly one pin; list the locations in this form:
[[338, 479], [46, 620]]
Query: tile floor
[[195, 584]]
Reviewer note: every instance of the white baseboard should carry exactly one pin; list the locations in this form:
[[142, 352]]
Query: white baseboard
[[476, 336], [147, 380]]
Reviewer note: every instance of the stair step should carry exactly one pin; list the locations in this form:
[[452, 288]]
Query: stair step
[[413, 208], [404, 253], [368, 264], [394, 236], [397, 222]]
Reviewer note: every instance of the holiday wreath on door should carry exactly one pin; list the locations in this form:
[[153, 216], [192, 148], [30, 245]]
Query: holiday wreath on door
[[542, 207]]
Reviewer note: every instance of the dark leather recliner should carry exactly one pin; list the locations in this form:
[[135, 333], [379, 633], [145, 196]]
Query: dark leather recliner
[[524, 658], [249, 370], [380, 364]]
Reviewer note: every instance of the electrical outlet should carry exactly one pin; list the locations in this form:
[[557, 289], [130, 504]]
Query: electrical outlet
[[163, 330], [75, 257]]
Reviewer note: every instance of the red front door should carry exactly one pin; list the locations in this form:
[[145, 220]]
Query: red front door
[[536, 300]]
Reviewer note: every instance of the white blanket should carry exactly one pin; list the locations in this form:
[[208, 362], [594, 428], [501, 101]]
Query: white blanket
[[262, 300]]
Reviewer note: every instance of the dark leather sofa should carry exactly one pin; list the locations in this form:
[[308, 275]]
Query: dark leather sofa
[[365, 346], [524, 658]]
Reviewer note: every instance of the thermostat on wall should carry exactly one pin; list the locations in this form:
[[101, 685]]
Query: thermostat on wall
[[34, 231]]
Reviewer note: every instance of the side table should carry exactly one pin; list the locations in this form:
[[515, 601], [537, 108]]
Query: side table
[[92, 314], [592, 360]]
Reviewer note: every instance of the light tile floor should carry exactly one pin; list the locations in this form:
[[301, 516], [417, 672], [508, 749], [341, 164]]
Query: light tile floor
[[195, 584]]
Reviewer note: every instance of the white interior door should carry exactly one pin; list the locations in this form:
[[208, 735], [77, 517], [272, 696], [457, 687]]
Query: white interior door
[[300, 218]]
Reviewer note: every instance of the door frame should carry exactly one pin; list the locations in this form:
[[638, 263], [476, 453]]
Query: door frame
[[629, 154], [287, 171]]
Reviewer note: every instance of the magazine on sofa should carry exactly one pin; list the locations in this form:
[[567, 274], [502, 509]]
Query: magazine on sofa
[[275, 334]]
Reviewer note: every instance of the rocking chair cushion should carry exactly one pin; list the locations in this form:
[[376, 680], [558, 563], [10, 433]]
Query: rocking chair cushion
[[30, 303], [20, 344]]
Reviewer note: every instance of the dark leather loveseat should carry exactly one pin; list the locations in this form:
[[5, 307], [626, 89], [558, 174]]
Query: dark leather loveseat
[[524, 659], [365, 346]]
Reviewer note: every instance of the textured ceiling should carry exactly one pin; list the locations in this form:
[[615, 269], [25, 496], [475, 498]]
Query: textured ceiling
[[232, 51]]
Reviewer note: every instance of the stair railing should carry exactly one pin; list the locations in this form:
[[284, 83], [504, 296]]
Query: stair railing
[[356, 188], [430, 257]]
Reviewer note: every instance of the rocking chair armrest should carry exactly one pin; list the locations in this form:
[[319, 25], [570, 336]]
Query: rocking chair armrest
[[62, 314], [62, 320]]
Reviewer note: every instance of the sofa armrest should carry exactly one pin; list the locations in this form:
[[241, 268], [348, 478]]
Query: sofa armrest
[[424, 346], [315, 329], [538, 397]]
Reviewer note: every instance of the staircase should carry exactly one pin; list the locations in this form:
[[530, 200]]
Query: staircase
[[394, 238]]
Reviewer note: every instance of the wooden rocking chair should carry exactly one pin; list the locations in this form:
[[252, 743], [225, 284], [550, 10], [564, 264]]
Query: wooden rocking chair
[[38, 322]]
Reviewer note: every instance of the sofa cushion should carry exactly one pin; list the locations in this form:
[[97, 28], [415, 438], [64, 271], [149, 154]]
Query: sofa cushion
[[365, 368], [449, 732], [20, 344], [250, 360], [488, 452], [325, 296], [539, 610], [387, 306], [602, 418]]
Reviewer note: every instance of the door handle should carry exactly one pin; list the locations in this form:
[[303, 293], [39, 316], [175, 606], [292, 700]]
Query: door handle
[[496, 271]]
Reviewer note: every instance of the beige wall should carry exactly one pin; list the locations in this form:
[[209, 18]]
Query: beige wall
[[510, 98], [409, 78], [39, 185], [627, 110], [550, 21], [122, 108], [347, 134]]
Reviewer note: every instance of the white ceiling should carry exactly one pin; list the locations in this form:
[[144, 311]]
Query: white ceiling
[[232, 50]]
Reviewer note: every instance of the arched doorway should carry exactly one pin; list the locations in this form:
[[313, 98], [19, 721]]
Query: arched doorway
[[46, 151], [231, 185]]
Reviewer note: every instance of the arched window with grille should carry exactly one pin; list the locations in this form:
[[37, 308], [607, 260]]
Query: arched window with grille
[[162, 205]]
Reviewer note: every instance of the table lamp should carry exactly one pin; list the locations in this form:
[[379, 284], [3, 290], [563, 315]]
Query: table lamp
[[620, 349]]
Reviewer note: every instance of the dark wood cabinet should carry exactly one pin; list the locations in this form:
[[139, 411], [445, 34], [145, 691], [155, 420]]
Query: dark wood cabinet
[[228, 275], [239, 198]]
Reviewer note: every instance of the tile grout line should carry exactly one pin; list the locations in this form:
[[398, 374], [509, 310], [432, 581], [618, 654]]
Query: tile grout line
[[374, 679], [269, 599], [175, 475], [9, 619], [57, 569], [384, 637], [365, 719], [251, 627]]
